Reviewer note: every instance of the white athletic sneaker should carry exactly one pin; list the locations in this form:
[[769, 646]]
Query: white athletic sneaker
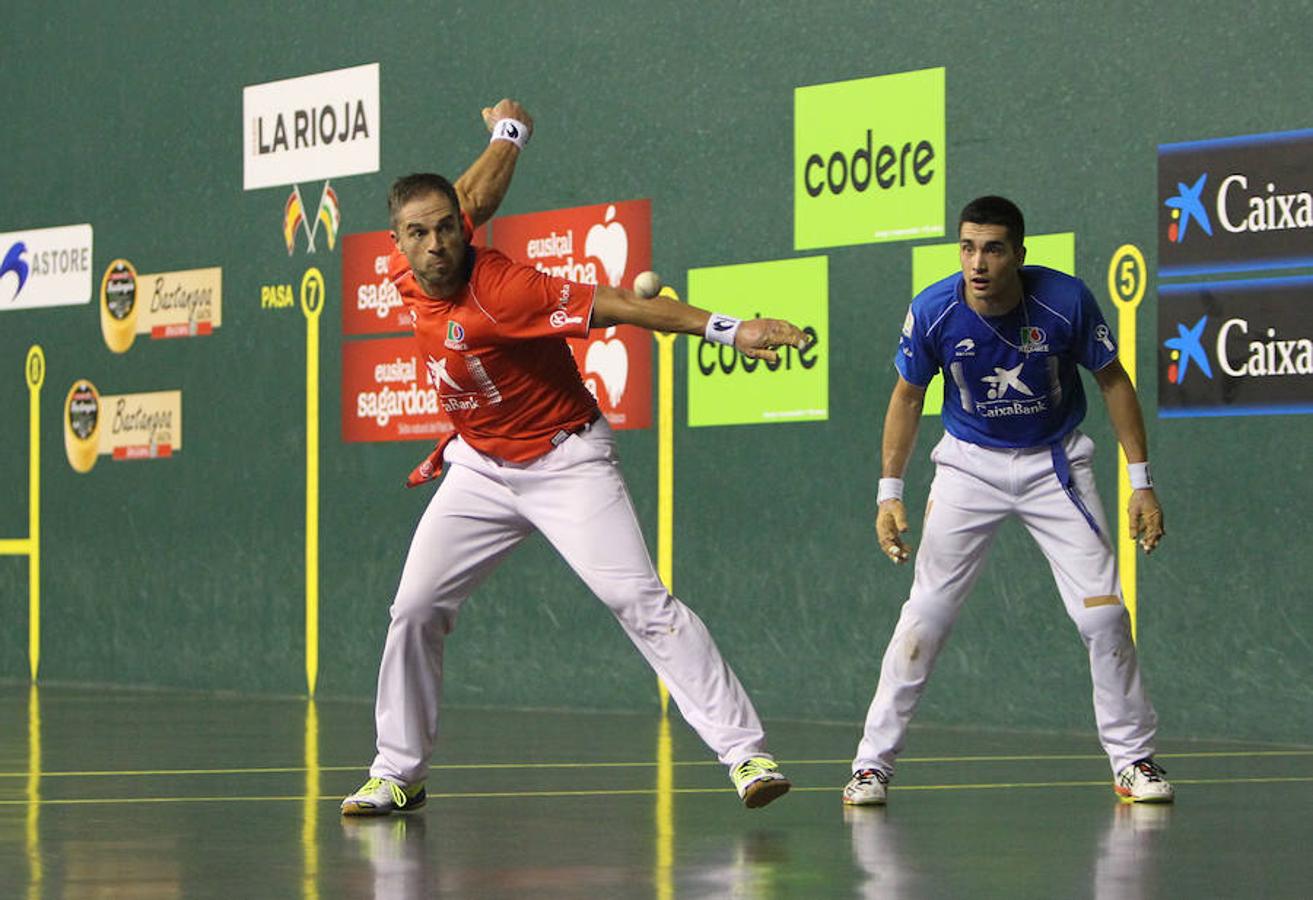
[[758, 781], [1143, 782], [867, 787], [379, 796]]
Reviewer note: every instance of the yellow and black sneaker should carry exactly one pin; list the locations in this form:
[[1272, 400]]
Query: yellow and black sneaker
[[758, 781], [379, 796]]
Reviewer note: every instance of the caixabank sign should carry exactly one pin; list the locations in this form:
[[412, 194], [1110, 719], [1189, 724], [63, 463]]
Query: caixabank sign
[[1235, 204], [1239, 347]]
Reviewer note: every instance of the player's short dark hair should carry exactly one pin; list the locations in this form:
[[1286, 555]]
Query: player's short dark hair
[[993, 210], [408, 187]]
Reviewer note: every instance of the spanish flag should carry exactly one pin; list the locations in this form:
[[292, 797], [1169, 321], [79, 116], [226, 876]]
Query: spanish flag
[[292, 217], [329, 213]]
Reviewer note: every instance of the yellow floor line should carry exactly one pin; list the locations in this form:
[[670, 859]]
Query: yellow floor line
[[622, 792], [456, 767]]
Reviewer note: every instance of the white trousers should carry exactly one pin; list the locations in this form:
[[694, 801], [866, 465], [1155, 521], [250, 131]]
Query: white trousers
[[974, 490], [576, 497]]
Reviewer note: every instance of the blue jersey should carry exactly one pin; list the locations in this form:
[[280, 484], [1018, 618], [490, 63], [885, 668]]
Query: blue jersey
[[1010, 380]]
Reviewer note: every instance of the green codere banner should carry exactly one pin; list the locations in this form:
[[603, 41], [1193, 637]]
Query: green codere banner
[[869, 160], [935, 261], [727, 388]]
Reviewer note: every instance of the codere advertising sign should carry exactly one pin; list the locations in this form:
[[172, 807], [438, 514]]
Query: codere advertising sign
[[606, 244], [869, 160], [727, 388], [123, 427]]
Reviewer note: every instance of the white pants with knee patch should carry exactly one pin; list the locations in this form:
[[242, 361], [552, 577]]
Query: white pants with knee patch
[[576, 497], [974, 490]]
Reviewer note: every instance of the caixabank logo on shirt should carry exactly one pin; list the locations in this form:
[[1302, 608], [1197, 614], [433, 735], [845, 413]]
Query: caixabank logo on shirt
[[727, 388], [1235, 204], [869, 160], [1242, 347]]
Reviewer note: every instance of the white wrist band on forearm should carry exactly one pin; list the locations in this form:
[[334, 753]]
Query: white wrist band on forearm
[[890, 489], [512, 130], [721, 329], [1139, 475]]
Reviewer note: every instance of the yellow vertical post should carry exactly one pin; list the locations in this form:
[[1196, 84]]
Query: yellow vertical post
[[1126, 283], [35, 870], [36, 376], [666, 466], [665, 813], [310, 809], [312, 304]]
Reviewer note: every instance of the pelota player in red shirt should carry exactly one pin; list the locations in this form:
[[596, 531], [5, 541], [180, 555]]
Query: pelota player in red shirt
[[532, 452]]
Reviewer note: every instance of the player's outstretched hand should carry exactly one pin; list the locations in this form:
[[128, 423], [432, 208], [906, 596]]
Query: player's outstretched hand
[[758, 338], [890, 523], [1146, 519], [506, 109]]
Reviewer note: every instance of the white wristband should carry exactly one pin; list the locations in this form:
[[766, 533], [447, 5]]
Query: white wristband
[[1139, 475], [721, 329], [512, 130], [890, 489]]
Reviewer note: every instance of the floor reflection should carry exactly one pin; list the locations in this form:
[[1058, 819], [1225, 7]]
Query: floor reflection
[[880, 854], [396, 852], [1127, 864]]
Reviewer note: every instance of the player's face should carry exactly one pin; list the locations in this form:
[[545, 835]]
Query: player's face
[[991, 266], [428, 231]]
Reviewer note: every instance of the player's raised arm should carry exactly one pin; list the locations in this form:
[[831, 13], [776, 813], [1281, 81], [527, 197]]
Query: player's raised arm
[[756, 338], [1144, 512], [483, 186], [901, 421]]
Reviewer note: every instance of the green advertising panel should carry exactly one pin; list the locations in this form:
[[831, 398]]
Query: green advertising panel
[[727, 388], [935, 261], [869, 160]]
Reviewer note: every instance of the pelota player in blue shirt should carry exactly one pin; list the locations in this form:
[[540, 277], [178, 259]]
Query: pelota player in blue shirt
[[1008, 339]]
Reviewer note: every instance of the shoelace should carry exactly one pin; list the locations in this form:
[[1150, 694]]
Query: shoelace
[[1150, 770], [866, 776], [399, 798], [751, 768]]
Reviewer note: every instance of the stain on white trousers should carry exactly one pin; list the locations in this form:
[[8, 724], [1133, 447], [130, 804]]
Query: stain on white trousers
[[974, 490], [576, 496]]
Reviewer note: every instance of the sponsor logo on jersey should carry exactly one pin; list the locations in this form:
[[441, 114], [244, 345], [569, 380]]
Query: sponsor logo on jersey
[[1033, 339], [965, 347], [1008, 395], [560, 318], [869, 161], [455, 336], [317, 126], [908, 323], [1104, 337]]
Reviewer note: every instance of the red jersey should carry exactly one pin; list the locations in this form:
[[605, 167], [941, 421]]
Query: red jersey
[[497, 356]]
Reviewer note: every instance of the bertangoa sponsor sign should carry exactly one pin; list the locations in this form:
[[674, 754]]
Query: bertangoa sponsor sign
[[607, 243]]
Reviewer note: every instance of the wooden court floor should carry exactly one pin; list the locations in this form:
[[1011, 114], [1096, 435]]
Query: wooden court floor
[[160, 795]]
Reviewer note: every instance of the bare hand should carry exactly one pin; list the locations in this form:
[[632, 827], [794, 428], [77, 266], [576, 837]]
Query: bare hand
[[506, 109], [1146, 519], [758, 338], [890, 523]]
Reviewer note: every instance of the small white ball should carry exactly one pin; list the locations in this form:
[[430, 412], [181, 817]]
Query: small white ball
[[647, 284]]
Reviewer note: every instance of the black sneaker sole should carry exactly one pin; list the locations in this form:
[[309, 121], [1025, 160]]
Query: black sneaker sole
[[759, 793]]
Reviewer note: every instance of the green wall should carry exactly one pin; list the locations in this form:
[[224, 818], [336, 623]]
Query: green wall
[[189, 572]]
